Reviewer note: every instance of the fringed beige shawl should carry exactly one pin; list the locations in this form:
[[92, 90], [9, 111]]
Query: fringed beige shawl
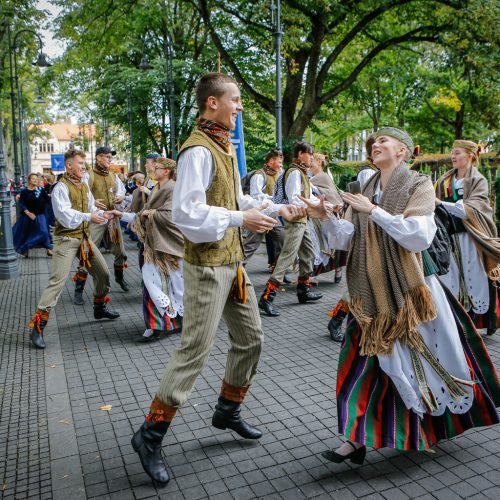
[[163, 242], [327, 187], [479, 222], [389, 297]]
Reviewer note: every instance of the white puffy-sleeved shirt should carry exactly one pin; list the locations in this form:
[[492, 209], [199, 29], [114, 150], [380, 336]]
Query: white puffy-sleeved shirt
[[293, 189], [63, 211], [413, 233], [199, 222], [257, 185], [364, 176]]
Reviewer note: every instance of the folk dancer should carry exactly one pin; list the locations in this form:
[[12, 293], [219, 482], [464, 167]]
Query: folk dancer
[[31, 229], [74, 209], [297, 237], [160, 256], [474, 267], [108, 191], [413, 370], [210, 209]]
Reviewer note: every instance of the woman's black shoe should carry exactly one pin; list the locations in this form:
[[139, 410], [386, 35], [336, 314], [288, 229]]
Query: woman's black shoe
[[357, 456]]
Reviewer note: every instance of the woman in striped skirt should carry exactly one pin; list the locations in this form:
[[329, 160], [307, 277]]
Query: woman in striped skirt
[[412, 369], [160, 256]]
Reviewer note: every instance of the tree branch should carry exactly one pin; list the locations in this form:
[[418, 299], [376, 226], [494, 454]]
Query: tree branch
[[438, 115], [265, 102], [410, 36]]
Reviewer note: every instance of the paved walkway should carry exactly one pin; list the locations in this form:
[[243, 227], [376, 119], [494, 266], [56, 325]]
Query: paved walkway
[[57, 443]]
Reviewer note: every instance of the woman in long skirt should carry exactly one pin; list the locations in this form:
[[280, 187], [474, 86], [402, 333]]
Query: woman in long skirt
[[412, 368], [160, 255], [463, 191], [31, 229]]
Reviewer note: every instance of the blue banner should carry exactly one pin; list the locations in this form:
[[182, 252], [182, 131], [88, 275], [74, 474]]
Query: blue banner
[[238, 142], [57, 163]]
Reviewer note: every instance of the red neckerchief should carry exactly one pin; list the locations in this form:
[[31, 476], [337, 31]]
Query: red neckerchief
[[217, 132]]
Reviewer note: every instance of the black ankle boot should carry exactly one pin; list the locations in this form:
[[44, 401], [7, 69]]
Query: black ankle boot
[[37, 336], [101, 311], [79, 287], [227, 416], [121, 280], [147, 444], [304, 294], [267, 304], [335, 327]]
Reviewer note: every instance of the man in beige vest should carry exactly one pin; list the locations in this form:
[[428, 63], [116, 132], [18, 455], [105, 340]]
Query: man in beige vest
[[108, 190], [262, 189], [74, 210], [210, 210], [297, 238]]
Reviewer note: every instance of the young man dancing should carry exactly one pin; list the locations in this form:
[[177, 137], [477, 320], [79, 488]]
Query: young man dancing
[[210, 209], [74, 209]]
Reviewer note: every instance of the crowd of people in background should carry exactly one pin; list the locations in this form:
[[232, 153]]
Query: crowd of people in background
[[413, 368]]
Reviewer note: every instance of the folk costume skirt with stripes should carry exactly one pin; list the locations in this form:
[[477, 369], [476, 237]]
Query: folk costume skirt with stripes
[[154, 318], [371, 411]]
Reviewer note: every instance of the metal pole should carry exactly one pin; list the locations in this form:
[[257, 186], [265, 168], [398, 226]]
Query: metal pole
[[171, 90], [131, 130], [8, 259], [13, 112], [278, 35]]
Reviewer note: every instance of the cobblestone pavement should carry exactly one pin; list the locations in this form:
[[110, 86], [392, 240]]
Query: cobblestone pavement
[[56, 442]]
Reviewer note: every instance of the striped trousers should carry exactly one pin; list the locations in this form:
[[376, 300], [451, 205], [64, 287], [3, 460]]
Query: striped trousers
[[206, 300], [65, 251]]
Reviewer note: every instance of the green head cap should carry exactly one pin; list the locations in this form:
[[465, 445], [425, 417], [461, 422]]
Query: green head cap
[[398, 134]]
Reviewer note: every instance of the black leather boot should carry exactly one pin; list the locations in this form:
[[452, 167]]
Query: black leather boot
[[304, 293], [101, 311], [267, 298], [121, 280], [227, 416], [37, 325], [147, 444], [79, 287], [335, 327]]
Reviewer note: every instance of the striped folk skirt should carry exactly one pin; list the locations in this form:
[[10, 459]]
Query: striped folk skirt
[[156, 321], [370, 410]]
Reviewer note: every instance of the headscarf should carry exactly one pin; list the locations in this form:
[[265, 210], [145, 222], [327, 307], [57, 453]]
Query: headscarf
[[395, 133]]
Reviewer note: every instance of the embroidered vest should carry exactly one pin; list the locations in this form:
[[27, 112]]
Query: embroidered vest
[[305, 190], [79, 201], [103, 187], [222, 192], [270, 182]]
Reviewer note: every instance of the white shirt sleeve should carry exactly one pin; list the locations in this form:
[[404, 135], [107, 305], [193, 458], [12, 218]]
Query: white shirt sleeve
[[128, 217], [413, 233], [338, 232], [199, 222], [257, 184], [293, 189], [64, 213], [120, 188], [457, 209], [364, 176]]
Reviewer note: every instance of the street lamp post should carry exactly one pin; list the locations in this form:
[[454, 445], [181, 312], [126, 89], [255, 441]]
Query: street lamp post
[[41, 62], [278, 35], [171, 92], [112, 102], [8, 259], [23, 135]]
